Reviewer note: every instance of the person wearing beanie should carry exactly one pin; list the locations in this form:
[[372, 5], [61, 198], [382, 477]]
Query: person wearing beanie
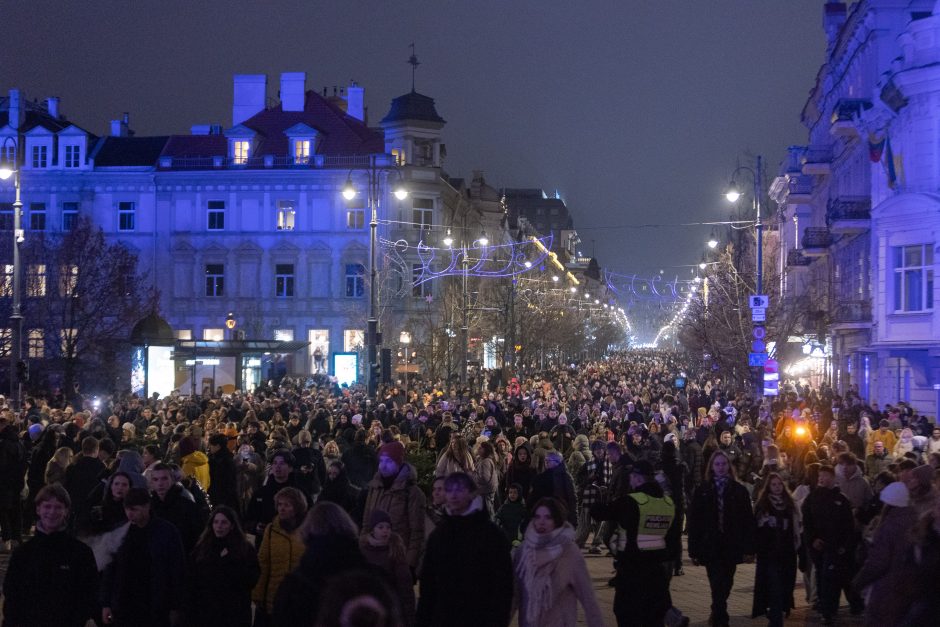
[[887, 571], [385, 549], [394, 490]]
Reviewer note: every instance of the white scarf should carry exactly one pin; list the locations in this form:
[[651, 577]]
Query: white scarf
[[537, 561]]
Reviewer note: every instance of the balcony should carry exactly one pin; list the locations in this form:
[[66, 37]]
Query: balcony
[[852, 311], [817, 160], [844, 114], [816, 241], [850, 215], [800, 190], [353, 162], [796, 258]]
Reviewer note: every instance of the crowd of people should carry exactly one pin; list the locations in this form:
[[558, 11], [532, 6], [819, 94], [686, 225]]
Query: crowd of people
[[305, 504]]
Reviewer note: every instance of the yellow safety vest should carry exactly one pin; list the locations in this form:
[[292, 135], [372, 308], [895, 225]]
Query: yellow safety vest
[[656, 516]]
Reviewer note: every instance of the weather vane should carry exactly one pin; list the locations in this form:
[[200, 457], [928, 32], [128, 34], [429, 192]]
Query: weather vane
[[414, 63]]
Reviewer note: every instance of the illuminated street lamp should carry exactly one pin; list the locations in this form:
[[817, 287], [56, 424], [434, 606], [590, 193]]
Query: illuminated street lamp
[[8, 168]]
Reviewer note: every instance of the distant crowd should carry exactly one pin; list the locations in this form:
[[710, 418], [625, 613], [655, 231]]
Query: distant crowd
[[306, 503]]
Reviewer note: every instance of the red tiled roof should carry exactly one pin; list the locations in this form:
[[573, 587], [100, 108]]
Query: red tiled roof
[[195, 146]]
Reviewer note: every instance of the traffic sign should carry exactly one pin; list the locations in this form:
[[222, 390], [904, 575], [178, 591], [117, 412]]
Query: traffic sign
[[759, 333], [758, 314], [756, 360], [758, 346], [759, 301], [771, 366]]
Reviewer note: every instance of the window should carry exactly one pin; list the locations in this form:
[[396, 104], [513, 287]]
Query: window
[[422, 215], [398, 154], [284, 335], [285, 215], [240, 150], [68, 280], [69, 215], [302, 151], [72, 156], [319, 347], [355, 280], [419, 289], [8, 151], [913, 278], [353, 339], [37, 216], [215, 279], [69, 340], [216, 215], [6, 280], [36, 280], [6, 342], [6, 216], [40, 156], [35, 349], [284, 280], [183, 334], [213, 335], [127, 213], [355, 219]]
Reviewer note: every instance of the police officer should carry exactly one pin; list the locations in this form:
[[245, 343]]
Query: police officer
[[643, 516]]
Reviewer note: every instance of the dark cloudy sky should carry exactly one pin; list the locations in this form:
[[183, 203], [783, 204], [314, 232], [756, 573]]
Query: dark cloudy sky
[[637, 112]]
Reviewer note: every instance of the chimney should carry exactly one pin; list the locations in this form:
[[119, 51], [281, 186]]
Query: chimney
[[249, 96], [16, 109], [118, 129], [52, 106], [293, 90], [355, 105], [833, 19]]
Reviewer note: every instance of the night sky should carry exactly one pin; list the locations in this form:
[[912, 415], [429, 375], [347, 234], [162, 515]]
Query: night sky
[[637, 112]]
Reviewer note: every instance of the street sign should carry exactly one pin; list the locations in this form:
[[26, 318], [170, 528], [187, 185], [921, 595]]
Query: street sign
[[756, 360], [758, 314], [759, 301], [759, 333], [758, 346]]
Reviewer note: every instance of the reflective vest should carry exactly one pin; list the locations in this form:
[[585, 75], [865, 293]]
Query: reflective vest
[[656, 516]]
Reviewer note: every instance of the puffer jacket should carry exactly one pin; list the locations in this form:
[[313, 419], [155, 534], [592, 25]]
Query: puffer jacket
[[196, 464], [404, 503], [280, 553]]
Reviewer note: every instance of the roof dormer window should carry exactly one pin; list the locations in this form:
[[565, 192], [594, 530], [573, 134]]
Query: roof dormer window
[[303, 143], [241, 150], [302, 151]]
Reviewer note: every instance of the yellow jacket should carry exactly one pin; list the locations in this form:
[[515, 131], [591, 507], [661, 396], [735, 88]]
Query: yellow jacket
[[196, 464], [279, 554]]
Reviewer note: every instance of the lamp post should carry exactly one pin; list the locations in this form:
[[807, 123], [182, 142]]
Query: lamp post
[[373, 339], [482, 242], [8, 167]]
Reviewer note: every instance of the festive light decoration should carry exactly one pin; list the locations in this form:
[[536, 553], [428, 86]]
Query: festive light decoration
[[633, 287]]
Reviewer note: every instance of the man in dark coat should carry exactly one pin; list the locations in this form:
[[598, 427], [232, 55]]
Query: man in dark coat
[[262, 509], [12, 480], [83, 475], [722, 531], [223, 484], [360, 461], [555, 481], [175, 504], [466, 578], [53, 562], [143, 585]]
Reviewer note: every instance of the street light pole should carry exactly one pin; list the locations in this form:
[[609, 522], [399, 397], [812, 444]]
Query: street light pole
[[16, 317]]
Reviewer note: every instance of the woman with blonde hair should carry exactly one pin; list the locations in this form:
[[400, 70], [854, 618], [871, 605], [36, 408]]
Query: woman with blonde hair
[[55, 468], [280, 553], [456, 458]]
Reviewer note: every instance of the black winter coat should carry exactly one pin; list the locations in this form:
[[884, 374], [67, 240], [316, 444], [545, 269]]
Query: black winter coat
[[555, 482], [467, 577], [219, 590], [12, 467], [309, 469], [81, 477], [181, 510], [707, 543], [361, 464], [223, 487]]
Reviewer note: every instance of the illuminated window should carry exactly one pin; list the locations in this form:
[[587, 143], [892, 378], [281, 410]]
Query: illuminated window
[[398, 154], [6, 281], [913, 278], [213, 335], [353, 339], [355, 219], [355, 280], [319, 347], [36, 280], [71, 156], [69, 215], [69, 340], [285, 215], [284, 335], [183, 334], [37, 216], [68, 280], [284, 280], [215, 279], [216, 215], [127, 216], [240, 150], [34, 345], [40, 156], [302, 151]]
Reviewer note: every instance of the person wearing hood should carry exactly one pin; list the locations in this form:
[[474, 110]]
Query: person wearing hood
[[223, 474], [556, 482], [394, 490], [521, 471], [551, 576], [384, 549], [562, 435], [465, 552], [579, 455], [194, 462], [905, 444], [644, 515], [337, 488]]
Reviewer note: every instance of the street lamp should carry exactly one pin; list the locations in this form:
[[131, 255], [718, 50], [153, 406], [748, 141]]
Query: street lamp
[[733, 194], [8, 168], [349, 192], [712, 240]]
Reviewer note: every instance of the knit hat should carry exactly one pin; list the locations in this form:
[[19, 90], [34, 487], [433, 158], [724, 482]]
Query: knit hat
[[895, 494], [394, 450], [378, 516], [187, 447], [35, 431]]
